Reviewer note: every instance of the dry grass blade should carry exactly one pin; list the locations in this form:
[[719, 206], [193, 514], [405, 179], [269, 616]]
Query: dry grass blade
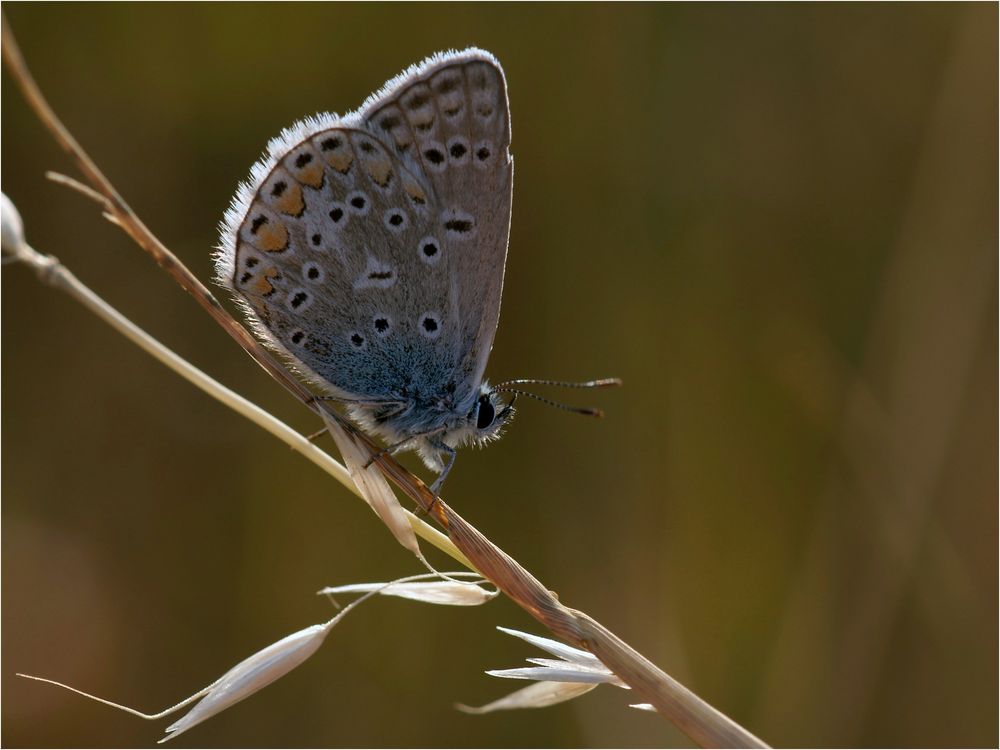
[[539, 695], [373, 487]]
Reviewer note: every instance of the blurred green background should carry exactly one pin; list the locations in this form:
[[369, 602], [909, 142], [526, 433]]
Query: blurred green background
[[778, 223]]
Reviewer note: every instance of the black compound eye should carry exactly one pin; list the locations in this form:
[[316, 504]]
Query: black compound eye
[[486, 413]]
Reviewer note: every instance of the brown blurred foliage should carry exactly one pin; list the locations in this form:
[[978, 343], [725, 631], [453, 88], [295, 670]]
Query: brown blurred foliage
[[778, 223]]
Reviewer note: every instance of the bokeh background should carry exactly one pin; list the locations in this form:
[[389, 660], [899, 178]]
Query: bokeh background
[[778, 223]]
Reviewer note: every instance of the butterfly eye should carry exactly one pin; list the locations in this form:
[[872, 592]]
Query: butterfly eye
[[486, 413]]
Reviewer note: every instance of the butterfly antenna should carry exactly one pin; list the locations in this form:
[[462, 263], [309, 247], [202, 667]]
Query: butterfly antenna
[[601, 383], [575, 409]]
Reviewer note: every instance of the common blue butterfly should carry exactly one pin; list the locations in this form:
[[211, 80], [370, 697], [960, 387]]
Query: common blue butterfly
[[369, 249]]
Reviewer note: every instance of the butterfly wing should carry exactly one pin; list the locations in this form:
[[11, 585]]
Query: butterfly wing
[[373, 264], [450, 116], [325, 256]]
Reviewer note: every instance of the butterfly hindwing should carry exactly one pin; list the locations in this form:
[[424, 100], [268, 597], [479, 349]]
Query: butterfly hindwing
[[327, 257]]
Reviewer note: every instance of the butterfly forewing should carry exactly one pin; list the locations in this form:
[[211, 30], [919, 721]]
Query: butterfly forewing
[[451, 118], [371, 249]]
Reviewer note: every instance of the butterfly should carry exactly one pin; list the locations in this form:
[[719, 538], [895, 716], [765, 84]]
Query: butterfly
[[369, 250]]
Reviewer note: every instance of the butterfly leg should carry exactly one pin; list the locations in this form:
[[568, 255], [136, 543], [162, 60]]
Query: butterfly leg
[[400, 405], [313, 437], [358, 401], [392, 450], [395, 448], [444, 448]]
